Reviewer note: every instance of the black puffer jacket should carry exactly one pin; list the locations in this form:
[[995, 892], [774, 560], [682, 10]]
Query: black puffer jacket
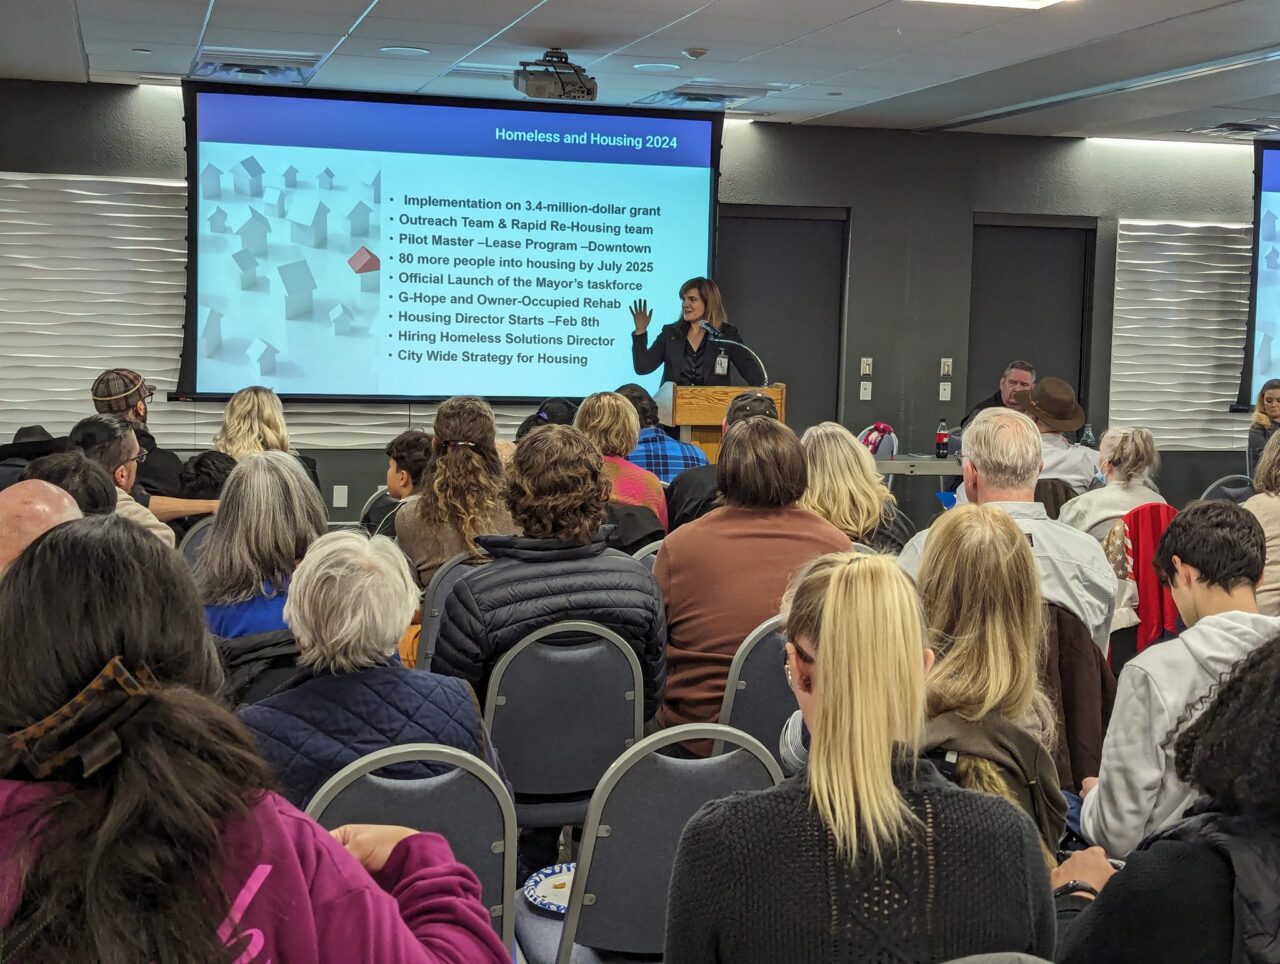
[[532, 583]]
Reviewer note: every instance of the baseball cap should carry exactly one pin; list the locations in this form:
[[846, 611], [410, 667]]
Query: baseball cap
[[118, 389], [748, 404]]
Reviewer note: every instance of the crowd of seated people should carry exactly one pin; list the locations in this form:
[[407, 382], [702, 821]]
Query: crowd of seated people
[[170, 717]]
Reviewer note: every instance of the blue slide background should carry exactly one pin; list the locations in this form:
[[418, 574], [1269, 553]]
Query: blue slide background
[[279, 304], [1266, 334]]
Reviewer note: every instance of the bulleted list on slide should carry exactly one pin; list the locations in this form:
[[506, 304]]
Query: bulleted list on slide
[[497, 255]]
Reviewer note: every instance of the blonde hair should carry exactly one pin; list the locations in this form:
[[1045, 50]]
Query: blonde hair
[[1260, 417], [1131, 453], [986, 621], [844, 487], [252, 422], [349, 602], [1266, 477], [861, 615], [1005, 447], [610, 421], [709, 291]]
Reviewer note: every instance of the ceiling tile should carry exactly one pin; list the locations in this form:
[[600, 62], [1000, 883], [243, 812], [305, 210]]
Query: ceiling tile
[[140, 34], [813, 12], [270, 40], [424, 32], [370, 47], [142, 11], [282, 19], [938, 16], [491, 13], [162, 60]]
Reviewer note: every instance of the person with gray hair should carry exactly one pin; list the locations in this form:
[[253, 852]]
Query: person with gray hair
[[1001, 460], [270, 514], [1127, 459], [1018, 376], [350, 600]]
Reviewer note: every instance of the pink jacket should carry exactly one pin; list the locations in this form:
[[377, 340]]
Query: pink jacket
[[298, 896]]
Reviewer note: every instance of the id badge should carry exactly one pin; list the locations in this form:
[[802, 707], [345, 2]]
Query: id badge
[[722, 364]]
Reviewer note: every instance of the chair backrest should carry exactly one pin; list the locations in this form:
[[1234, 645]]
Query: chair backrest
[[433, 600], [884, 447], [469, 806], [193, 542], [368, 503], [648, 556], [757, 699], [560, 713], [618, 901], [1053, 494], [1230, 488], [1143, 529]]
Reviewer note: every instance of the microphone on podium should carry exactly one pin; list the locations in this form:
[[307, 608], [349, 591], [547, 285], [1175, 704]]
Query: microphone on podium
[[716, 336]]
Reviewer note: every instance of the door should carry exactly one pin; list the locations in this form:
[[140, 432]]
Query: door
[[781, 272], [1029, 300]]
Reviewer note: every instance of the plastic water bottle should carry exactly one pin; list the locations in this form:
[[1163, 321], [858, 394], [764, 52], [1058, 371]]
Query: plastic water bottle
[[941, 440], [1087, 437]]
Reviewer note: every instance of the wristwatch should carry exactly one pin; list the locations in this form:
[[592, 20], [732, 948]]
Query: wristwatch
[[1075, 887]]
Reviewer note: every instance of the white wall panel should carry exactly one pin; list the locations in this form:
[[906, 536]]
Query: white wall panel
[[1181, 306], [93, 276]]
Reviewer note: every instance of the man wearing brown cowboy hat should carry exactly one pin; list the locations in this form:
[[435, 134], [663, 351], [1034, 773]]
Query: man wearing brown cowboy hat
[[1053, 407]]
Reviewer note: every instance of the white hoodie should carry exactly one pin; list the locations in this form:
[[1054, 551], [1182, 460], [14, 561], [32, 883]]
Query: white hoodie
[[1138, 791]]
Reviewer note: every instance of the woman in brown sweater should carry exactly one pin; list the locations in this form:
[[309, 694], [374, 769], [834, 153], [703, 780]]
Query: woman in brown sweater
[[724, 574], [461, 490]]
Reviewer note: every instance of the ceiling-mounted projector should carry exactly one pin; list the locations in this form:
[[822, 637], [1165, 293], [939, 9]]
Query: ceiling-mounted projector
[[554, 78]]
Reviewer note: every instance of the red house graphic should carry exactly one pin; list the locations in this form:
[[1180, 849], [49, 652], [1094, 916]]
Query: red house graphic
[[366, 264]]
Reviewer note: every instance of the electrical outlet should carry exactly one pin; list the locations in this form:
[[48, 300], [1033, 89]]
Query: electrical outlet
[[864, 391], [946, 368], [339, 496], [866, 368], [944, 391]]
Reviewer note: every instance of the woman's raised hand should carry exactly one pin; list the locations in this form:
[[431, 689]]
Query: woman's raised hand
[[641, 315]]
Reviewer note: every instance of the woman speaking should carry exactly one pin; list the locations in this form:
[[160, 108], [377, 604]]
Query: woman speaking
[[697, 349]]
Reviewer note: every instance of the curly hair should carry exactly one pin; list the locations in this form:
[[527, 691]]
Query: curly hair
[[1231, 752], [463, 481], [556, 485]]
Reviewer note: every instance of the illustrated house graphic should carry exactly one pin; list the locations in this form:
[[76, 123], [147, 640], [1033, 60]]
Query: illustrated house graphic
[[325, 179], [290, 176], [211, 182], [359, 218], [1269, 227], [264, 356], [248, 177], [210, 331], [299, 286], [273, 201], [218, 221], [248, 266], [366, 264], [1273, 259], [375, 185], [341, 319], [253, 233], [309, 224]]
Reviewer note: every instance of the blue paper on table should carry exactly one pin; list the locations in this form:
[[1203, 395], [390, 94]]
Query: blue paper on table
[[948, 499]]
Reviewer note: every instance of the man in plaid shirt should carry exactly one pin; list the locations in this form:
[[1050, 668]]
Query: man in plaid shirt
[[657, 451]]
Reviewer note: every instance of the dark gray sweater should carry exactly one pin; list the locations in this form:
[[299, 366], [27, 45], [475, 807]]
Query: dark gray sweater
[[757, 879]]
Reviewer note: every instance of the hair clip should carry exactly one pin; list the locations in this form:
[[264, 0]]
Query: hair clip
[[84, 728], [469, 445]]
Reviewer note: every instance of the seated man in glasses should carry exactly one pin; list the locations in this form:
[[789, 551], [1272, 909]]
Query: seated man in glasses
[[110, 441]]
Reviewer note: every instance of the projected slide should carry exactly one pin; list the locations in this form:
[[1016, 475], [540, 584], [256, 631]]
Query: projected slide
[[364, 248], [1266, 350]]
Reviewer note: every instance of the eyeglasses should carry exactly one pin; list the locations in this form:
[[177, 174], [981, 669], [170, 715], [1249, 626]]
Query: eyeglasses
[[139, 458]]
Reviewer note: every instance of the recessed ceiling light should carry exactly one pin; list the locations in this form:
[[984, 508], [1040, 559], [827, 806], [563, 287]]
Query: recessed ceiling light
[[405, 51], [655, 68], [1011, 4], [141, 50]]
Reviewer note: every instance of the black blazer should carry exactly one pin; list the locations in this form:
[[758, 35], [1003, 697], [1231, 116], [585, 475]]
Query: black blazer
[[667, 350]]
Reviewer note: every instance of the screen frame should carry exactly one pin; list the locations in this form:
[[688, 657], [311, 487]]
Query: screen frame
[[1245, 397], [191, 89]]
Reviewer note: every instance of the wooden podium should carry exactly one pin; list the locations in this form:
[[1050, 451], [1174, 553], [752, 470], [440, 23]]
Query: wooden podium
[[698, 411]]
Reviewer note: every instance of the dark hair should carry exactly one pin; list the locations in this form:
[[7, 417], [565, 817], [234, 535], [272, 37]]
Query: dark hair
[[204, 475], [1020, 365], [411, 452], [761, 464], [1231, 752], [122, 861], [645, 406], [748, 404], [82, 478], [463, 482], [553, 411], [556, 485], [1221, 539], [107, 439]]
